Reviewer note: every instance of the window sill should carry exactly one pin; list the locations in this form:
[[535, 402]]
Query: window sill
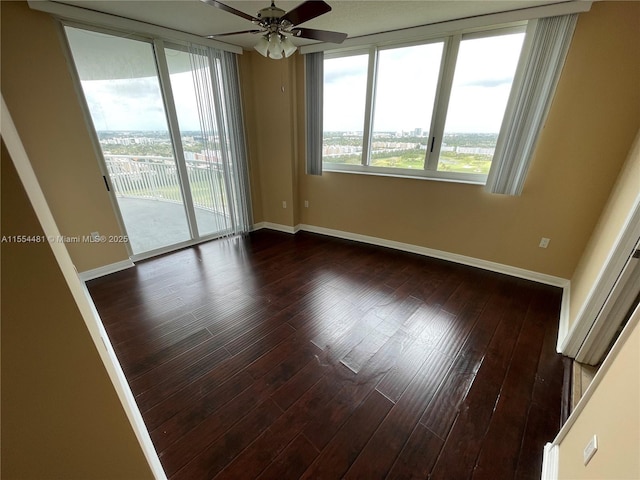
[[455, 177]]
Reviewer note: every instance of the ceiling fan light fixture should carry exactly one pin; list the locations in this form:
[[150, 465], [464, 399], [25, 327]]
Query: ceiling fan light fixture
[[288, 46], [262, 46], [275, 46]]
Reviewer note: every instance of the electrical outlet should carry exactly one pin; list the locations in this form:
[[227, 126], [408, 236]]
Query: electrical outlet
[[284, 204], [306, 204], [544, 242], [95, 235], [591, 449]]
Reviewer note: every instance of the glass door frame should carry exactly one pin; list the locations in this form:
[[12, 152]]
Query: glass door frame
[[174, 133], [162, 70]]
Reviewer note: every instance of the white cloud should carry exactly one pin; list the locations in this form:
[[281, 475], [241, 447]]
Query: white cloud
[[406, 86]]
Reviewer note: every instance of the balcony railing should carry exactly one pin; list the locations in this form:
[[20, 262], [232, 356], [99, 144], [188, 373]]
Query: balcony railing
[[156, 178]]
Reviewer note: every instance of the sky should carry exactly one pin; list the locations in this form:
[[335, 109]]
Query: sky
[[121, 86], [405, 92], [136, 104], [406, 85]]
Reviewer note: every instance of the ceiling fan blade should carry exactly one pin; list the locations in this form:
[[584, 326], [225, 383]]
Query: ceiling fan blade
[[322, 35], [306, 11], [227, 8], [233, 33]]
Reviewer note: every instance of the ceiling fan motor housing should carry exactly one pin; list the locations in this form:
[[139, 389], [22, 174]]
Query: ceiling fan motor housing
[[270, 20], [271, 12]]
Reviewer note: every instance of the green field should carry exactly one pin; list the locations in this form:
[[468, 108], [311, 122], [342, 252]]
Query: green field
[[464, 163], [414, 160]]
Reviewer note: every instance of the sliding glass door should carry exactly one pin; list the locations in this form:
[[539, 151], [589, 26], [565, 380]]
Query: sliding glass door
[[200, 143], [160, 119]]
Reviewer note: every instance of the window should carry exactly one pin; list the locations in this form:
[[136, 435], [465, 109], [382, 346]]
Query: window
[[480, 124], [484, 73], [433, 109], [345, 87], [406, 84]]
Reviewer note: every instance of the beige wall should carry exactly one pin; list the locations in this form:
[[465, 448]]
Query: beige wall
[[622, 200], [245, 66], [591, 125], [61, 417], [269, 89], [612, 414], [39, 92]]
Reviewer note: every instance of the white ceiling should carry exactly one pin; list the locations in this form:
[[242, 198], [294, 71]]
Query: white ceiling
[[354, 17]]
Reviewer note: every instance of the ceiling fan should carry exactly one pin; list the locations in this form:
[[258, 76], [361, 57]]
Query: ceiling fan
[[277, 26]]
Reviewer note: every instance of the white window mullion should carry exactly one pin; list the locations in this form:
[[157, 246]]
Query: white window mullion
[[369, 106], [441, 104], [174, 132]]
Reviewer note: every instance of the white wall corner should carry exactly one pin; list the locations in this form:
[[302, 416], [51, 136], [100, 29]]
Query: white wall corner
[[105, 270], [617, 258], [550, 461]]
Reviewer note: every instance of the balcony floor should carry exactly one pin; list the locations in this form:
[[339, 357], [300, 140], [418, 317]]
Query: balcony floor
[[153, 224]]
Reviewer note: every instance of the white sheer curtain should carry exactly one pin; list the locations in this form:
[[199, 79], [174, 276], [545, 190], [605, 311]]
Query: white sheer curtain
[[215, 78], [314, 79], [544, 52]]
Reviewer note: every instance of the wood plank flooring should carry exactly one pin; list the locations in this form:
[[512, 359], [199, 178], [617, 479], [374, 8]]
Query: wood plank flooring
[[279, 356]]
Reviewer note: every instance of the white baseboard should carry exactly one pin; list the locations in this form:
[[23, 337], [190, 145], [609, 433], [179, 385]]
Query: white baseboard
[[452, 257], [550, 460], [276, 226], [105, 270]]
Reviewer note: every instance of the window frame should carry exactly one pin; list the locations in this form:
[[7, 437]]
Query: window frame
[[158, 44], [367, 106], [446, 73]]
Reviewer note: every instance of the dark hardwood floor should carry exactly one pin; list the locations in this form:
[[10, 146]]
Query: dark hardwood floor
[[279, 356]]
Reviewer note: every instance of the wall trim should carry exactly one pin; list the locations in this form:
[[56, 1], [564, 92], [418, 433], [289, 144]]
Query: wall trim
[[623, 247], [276, 226], [428, 252], [550, 461], [105, 270]]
